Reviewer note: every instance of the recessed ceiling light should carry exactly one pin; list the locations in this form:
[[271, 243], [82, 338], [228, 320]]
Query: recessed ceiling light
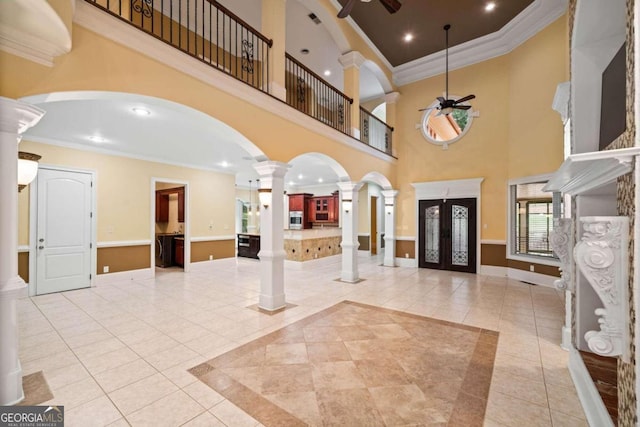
[[408, 37], [304, 51], [96, 138], [327, 73], [490, 6], [224, 164], [300, 176], [291, 183], [141, 111], [320, 180]]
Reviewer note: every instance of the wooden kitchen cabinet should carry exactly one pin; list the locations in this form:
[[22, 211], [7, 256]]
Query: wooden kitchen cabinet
[[181, 205], [178, 251], [325, 209], [162, 204]]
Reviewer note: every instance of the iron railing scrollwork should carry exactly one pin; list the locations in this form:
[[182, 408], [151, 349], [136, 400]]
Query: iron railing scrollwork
[[311, 94], [375, 132], [204, 29]]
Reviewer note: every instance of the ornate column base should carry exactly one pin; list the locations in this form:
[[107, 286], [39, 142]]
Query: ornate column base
[[10, 368]]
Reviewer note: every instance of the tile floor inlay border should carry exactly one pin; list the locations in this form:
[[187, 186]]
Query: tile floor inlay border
[[36, 389], [357, 364]]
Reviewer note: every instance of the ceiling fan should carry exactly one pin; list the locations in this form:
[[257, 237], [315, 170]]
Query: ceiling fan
[[391, 5], [446, 105]]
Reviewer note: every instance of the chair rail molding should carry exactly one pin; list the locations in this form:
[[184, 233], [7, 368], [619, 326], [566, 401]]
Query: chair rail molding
[[602, 256], [561, 239]]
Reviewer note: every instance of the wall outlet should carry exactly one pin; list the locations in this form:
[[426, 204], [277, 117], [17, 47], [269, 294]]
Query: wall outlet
[[105, 269], [210, 257], [406, 255], [532, 267]]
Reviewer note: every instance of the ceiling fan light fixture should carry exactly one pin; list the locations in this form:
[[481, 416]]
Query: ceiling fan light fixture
[[489, 7]]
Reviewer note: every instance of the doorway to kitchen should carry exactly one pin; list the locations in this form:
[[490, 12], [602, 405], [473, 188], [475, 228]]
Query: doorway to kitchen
[[170, 225], [447, 234]]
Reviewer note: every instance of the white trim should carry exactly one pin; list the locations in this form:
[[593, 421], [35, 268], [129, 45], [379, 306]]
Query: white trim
[[530, 179], [364, 234], [531, 277], [319, 262], [492, 270], [213, 238], [24, 248], [120, 32], [406, 238], [124, 276], [590, 399], [493, 242], [187, 221], [123, 243], [534, 260], [407, 262], [33, 222]]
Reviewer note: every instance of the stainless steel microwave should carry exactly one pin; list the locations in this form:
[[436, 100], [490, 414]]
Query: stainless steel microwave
[[295, 220]]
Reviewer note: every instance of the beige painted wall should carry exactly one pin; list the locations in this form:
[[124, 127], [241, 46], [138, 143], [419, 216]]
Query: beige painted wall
[[124, 194], [516, 124], [363, 210]]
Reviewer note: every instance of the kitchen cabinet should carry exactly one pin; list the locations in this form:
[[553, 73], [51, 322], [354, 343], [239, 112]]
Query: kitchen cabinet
[[178, 251], [248, 245], [162, 204], [325, 209], [300, 203]]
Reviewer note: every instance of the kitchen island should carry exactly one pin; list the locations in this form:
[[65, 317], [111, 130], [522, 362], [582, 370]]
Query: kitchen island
[[306, 245]]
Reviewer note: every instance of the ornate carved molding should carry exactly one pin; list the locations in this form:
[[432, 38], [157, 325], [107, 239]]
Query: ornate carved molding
[[561, 239], [602, 257]]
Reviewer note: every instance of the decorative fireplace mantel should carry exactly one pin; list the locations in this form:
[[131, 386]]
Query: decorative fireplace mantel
[[602, 257], [561, 240]]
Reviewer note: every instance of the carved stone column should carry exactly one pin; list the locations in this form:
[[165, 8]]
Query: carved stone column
[[389, 227], [349, 244], [15, 118], [602, 257], [561, 239], [272, 252]]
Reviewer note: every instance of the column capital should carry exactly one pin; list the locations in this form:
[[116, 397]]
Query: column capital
[[347, 187], [271, 169], [391, 97], [389, 194], [351, 59], [16, 116]]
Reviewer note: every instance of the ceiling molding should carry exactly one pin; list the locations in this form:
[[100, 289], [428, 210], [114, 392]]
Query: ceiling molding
[[524, 26]]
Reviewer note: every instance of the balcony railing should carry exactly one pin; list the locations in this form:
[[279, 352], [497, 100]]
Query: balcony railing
[[203, 29], [375, 132], [309, 93]]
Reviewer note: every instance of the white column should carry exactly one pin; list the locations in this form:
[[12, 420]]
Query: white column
[[349, 244], [15, 118], [389, 227], [272, 252], [351, 63]]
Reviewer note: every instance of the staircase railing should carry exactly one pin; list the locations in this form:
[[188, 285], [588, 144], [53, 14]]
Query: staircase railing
[[204, 29], [309, 93], [375, 132]]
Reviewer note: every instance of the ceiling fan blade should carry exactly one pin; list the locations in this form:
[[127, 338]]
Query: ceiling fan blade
[[426, 109], [466, 98], [392, 6], [440, 99], [346, 10], [461, 107]]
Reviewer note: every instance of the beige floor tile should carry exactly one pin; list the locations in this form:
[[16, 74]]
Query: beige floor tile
[[520, 387], [134, 396], [231, 415], [123, 375], [563, 420], [171, 357], [97, 412], [110, 360], [203, 394], [514, 412], [565, 400], [61, 377], [178, 374], [76, 394], [174, 410], [51, 362], [204, 420], [153, 345]]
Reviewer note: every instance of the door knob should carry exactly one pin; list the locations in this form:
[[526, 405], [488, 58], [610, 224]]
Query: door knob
[[41, 240], [40, 247]]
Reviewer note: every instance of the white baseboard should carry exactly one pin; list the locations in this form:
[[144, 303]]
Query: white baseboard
[[123, 276], [531, 277], [406, 262], [590, 399], [302, 265]]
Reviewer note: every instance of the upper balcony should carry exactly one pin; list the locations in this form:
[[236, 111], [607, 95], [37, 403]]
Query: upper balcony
[[211, 33]]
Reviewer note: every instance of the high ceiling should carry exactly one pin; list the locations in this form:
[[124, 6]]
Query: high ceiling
[[425, 19]]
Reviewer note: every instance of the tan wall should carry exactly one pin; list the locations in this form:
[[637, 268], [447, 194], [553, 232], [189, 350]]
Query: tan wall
[[124, 194], [96, 63], [200, 251], [405, 247], [23, 266], [495, 255], [363, 210], [364, 242], [514, 101]]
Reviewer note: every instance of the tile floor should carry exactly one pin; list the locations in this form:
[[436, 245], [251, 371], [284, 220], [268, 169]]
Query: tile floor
[[118, 354]]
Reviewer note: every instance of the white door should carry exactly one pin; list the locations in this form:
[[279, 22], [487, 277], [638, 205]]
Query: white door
[[63, 239]]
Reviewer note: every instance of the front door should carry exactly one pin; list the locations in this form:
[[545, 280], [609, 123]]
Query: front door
[[448, 234], [63, 239]]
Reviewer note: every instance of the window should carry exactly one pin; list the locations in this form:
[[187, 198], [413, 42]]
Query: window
[[531, 220]]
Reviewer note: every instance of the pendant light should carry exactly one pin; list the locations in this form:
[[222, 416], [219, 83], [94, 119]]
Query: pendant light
[[27, 168]]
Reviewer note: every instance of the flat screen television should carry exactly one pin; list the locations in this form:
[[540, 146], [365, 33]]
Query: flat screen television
[[613, 106]]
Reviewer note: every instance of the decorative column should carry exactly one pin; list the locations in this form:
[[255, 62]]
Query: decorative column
[[349, 244], [603, 258], [391, 99], [272, 252], [389, 227], [561, 240], [274, 14], [15, 118], [351, 63]]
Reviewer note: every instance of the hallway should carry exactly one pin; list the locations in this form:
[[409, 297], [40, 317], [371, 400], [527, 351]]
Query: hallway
[[118, 354]]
